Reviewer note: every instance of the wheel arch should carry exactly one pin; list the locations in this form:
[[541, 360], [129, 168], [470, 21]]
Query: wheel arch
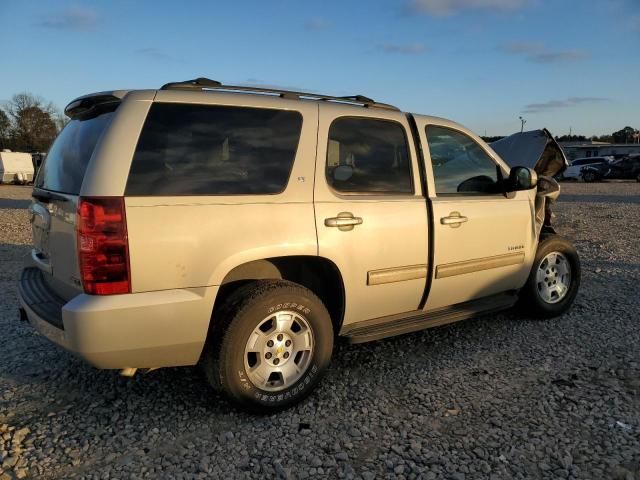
[[318, 274]]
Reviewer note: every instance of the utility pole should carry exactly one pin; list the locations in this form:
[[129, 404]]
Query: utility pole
[[522, 122]]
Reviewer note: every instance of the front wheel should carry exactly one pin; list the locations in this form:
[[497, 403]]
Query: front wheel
[[589, 177], [554, 280], [275, 343]]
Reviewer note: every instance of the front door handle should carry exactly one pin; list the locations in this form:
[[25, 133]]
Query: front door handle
[[345, 221], [453, 220]]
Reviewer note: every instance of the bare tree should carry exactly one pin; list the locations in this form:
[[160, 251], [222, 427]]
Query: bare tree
[[33, 122], [5, 130]]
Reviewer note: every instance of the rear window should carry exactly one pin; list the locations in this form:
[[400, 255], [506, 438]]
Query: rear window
[[187, 149], [66, 163]]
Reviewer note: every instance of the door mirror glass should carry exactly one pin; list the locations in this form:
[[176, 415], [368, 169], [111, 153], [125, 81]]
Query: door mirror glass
[[521, 178], [343, 173]]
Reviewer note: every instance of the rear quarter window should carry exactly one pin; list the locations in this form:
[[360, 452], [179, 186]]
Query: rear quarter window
[[187, 149]]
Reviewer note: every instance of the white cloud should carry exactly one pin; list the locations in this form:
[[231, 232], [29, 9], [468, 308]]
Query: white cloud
[[449, 7], [155, 54], [73, 18], [538, 53], [633, 22], [557, 104], [406, 49], [317, 24]]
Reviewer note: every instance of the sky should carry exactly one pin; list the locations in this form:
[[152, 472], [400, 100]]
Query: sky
[[561, 64]]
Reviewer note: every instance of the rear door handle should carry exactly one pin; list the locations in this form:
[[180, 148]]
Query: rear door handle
[[453, 220], [345, 221]]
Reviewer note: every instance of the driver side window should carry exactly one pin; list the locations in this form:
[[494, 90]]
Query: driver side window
[[460, 165]]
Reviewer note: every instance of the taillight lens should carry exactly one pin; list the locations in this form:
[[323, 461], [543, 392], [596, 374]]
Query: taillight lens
[[103, 250]]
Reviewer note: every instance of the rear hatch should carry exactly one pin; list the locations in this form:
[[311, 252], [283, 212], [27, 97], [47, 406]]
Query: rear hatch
[[56, 191]]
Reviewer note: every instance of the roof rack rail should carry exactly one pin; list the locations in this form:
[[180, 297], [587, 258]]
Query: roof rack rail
[[202, 83]]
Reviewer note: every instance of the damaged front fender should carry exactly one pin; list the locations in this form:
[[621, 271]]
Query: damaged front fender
[[536, 149]]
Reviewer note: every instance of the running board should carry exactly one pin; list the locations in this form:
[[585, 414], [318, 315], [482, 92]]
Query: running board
[[392, 325]]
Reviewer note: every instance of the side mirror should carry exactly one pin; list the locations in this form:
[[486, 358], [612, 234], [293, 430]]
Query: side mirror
[[343, 173], [521, 178]]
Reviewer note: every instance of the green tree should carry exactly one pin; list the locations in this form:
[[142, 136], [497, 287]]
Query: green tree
[[571, 138], [602, 138], [624, 136]]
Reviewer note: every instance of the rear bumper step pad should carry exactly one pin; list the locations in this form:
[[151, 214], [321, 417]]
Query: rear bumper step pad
[[39, 297]]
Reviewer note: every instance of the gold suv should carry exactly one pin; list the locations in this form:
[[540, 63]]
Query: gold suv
[[243, 229]]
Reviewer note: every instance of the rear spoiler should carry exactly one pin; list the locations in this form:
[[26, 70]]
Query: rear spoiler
[[93, 104]]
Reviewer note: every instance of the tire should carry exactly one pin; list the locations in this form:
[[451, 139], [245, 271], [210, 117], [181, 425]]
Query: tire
[[534, 299], [589, 177], [638, 177], [277, 311]]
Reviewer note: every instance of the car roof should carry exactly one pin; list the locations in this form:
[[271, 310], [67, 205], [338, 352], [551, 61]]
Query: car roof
[[203, 86]]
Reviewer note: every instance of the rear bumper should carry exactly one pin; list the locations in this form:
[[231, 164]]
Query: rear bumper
[[137, 330]]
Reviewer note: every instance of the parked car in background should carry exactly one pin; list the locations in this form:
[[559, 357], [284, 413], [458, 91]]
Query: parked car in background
[[625, 168], [37, 159], [574, 171], [595, 172]]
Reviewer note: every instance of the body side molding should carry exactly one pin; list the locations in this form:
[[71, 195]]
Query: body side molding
[[396, 274], [479, 264]]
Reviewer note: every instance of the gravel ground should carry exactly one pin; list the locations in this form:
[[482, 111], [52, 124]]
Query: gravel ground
[[498, 397]]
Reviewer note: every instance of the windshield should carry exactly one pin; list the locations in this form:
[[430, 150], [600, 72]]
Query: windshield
[[63, 169]]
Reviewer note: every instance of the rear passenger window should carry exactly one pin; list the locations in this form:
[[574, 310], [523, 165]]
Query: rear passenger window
[[366, 155], [187, 149]]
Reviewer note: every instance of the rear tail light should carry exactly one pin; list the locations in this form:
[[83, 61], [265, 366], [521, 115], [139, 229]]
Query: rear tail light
[[103, 251]]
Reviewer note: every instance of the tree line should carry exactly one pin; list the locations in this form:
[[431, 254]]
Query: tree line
[[29, 123], [625, 135]]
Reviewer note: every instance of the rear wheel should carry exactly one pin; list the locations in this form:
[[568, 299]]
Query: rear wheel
[[275, 343], [554, 280], [589, 177]]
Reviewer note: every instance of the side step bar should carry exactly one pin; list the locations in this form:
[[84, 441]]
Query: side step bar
[[392, 325]]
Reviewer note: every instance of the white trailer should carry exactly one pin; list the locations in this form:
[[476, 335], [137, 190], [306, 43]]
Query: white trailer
[[16, 167]]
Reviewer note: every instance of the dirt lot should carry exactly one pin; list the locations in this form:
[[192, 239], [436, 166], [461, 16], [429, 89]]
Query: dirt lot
[[502, 396]]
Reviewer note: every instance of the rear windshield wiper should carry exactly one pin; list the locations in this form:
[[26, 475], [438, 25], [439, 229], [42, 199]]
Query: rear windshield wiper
[[46, 196]]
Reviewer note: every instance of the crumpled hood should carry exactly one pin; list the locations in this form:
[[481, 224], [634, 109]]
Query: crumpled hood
[[536, 149]]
